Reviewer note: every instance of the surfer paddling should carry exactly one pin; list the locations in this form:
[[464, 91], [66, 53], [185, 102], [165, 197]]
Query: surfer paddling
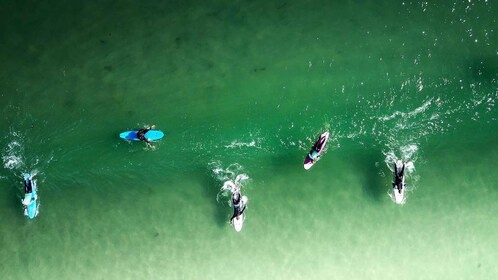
[[399, 183], [28, 189], [316, 151], [238, 205], [141, 134]]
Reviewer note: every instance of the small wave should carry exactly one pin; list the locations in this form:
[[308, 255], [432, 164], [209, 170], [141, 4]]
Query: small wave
[[236, 144], [410, 114]]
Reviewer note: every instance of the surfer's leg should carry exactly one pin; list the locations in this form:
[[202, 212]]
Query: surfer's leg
[[242, 210]]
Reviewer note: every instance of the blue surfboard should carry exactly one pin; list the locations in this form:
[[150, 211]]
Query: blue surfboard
[[151, 134]]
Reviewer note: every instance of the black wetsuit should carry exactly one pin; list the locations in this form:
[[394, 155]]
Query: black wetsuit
[[27, 187], [398, 177], [316, 147], [141, 134], [238, 208]]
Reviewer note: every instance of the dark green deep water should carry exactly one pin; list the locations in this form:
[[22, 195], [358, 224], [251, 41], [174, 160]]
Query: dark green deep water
[[245, 87]]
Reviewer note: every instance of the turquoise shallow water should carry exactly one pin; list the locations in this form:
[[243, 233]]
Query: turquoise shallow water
[[245, 88]]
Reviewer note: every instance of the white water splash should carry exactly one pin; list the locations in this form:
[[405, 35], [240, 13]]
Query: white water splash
[[234, 185], [228, 173], [12, 161], [13, 154], [420, 85], [231, 186], [236, 144], [408, 156], [409, 114], [232, 177]]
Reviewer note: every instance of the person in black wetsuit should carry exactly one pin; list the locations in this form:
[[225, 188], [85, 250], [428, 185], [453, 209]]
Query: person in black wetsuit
[[238, 206], [398, 177], [141, 134], [27, 186]]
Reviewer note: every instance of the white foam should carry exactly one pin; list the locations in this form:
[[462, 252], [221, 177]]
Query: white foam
[[410, 114], [241, 177], [236, 144], [12, 161], [420, 85], [12, 155], [408, 152], [231, 186], [228, 173]]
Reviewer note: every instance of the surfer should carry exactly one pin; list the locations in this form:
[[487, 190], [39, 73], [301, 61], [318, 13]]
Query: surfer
[[29, 196], [315, 150], [398, 177], [27, 184], [314, 155], [238, 206], [141, 134]]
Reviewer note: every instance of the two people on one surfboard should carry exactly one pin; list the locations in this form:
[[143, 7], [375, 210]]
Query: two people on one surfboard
[[398, 177], [141, 134], [238, 205]]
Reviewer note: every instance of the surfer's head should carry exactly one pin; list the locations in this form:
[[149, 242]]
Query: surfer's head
[[236, 197]]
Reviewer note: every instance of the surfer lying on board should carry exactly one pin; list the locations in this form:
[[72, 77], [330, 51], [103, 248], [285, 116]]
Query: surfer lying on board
[[28, 188], [238, 206], [315, 151], [27, 184], [141, 134], [398, 177]]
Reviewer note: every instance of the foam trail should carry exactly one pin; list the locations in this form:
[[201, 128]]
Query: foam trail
[[240, 178], [13, 154], [236, 144], [11, 161], [231, 186]]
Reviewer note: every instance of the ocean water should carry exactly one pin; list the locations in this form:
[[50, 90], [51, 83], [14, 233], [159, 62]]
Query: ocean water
[[245, 88]]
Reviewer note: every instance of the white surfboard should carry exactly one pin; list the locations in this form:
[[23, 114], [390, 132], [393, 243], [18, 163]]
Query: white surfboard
[[238, 222]]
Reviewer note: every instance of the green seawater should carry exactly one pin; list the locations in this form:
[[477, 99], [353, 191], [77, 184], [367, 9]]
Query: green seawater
[[246, 87]]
